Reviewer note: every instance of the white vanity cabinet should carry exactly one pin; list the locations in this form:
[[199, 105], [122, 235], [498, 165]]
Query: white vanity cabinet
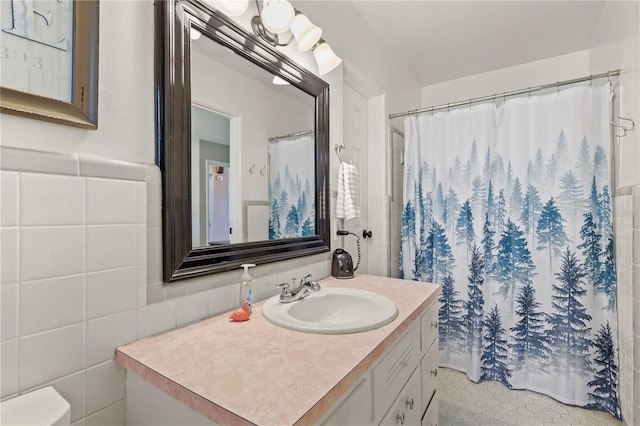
[[197, 375], [400, 388], [429, 365]]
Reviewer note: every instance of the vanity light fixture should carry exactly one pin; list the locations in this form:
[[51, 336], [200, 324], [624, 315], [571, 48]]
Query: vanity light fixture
[[277, 17], [306, 34], [326, 59], [231, 7]]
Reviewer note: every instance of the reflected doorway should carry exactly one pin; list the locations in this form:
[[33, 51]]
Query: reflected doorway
[[210, 154]]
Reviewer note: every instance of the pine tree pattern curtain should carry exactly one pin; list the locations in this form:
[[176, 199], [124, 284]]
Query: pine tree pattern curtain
[[509, 208], [292, 188]]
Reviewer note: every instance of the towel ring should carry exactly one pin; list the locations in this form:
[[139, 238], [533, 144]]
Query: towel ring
[[339, 149]]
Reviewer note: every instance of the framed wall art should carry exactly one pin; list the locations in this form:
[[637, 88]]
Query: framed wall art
[[49, 60]]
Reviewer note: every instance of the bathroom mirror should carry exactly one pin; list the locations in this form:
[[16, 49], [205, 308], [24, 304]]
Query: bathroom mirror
[[176, 21]]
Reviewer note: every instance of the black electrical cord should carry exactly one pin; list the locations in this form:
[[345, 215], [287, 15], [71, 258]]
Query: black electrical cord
[[342, 232]]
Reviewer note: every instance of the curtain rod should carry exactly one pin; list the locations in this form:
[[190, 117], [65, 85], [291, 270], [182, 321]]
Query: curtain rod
[[608, 74], [290, 135]]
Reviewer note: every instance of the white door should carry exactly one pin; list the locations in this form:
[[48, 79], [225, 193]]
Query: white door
[[356, 142]]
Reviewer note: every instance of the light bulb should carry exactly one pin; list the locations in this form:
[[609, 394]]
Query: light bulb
[[277, 15], [306, 34], [195, 34], [326, 59], [279, 81], [231, 7]]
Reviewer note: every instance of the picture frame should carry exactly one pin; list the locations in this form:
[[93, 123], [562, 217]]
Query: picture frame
[[37, 58]]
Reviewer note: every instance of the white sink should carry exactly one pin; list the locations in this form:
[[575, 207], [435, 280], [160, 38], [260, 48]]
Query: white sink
[[334, 310]]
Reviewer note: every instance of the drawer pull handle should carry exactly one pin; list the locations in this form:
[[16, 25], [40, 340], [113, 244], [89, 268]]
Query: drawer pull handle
[[401, 418], [434, 325], [410, 403], [434, 372]]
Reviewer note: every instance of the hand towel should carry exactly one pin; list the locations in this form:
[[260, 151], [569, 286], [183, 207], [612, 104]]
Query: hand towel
[[347, 206]]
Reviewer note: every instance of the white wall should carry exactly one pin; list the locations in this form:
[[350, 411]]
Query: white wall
[[616, 44], [125, 99], [80, 234]]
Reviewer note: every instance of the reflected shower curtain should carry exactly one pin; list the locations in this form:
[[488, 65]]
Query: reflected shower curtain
[[292, 188], [509, 208]]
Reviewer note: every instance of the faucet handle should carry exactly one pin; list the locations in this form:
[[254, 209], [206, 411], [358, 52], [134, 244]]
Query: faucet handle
[[286, 290], [304, 279]]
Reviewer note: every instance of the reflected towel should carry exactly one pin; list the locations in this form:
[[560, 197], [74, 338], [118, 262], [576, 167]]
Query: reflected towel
[[347, 206]]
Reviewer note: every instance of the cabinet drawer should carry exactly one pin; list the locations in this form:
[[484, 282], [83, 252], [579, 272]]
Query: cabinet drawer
[[430, 417], [429, 366], [390, 375], [428, 327], [356, 408], [405, 410]]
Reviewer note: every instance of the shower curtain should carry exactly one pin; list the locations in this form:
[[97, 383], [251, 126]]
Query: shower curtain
[[292, 187], [509, 208]]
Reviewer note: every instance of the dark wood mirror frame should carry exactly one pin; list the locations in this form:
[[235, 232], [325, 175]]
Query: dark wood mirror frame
[[173, 21]]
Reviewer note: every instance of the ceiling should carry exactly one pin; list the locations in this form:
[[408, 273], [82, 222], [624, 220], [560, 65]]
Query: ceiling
[[442, 40]]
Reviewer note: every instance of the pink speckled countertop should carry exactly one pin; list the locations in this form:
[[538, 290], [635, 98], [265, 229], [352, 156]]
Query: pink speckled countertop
[[255, 372]]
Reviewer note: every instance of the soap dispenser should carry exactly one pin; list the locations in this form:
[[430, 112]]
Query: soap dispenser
[[245, 285]]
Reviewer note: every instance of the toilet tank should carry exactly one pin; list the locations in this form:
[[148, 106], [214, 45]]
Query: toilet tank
[[42, 407]]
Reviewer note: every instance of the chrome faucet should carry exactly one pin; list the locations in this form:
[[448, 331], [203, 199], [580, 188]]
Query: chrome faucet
[[306, 288]]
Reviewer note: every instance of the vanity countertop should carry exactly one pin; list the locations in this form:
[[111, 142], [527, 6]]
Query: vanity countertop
[[254, 372]]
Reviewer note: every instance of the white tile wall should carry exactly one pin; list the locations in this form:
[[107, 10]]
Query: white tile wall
[[107, 333], [111, 291], [63, 196], [104, 385], [111, 246], [51, 252], [9, 368], [50, 355], [8, 199], [112, 415], [71, 388], [51, 303], [191, 308], [81, 275], [622, 223], [153, 319], [111, 201], [8, 312], [9, 249]]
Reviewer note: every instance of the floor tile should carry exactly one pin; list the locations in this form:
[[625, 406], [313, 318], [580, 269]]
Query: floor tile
[[462, 402]]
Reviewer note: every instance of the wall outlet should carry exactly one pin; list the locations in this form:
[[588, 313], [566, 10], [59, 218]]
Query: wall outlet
[[334, 229]]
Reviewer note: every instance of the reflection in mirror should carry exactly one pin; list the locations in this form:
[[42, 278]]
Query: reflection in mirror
[[221, 108], [292, 206], [210, 171], [248, 101]]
